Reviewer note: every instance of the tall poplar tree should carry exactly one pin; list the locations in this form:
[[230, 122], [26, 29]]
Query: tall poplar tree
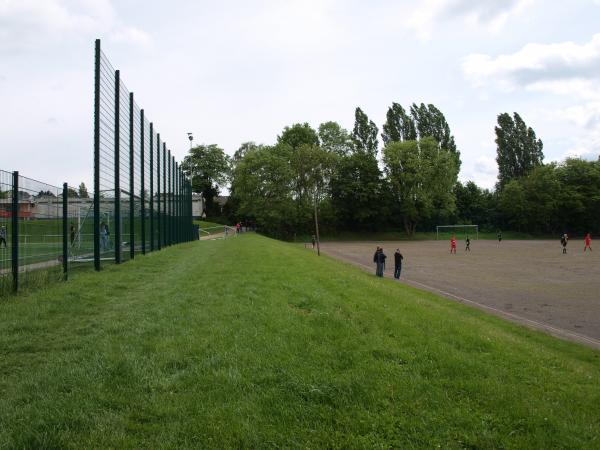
[[399, 126], [364, 135], [519, 151]]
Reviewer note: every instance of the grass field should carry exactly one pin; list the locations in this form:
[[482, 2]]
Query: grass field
[[253, 343]]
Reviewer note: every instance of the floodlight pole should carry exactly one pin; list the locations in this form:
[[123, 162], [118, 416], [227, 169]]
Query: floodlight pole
[[191, 138]]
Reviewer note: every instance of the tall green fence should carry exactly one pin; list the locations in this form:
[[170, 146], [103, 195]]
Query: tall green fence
[[44, 229], [142, 200]]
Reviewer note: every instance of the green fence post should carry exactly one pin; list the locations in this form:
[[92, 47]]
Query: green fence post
[[142, 182], [169, 199], [165, 204], [131, 181], [97, 156], [15, 231], [151, 186], [117, 168], [65, 232], [158, 205]]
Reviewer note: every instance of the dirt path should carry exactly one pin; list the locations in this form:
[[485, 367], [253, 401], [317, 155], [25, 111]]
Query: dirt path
[[530, 282]]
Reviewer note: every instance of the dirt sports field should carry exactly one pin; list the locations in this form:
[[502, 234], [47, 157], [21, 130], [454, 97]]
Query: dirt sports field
[[530, 282]]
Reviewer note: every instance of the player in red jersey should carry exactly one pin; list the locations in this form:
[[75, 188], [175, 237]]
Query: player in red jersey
[[453, 244], [588, 242]]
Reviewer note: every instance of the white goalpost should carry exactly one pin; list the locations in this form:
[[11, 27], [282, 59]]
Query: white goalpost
[[466, 229]]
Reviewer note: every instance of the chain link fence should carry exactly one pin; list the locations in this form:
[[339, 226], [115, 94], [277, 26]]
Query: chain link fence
[[142, 201]]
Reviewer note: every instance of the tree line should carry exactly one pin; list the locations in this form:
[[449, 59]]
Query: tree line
[[410, 182]]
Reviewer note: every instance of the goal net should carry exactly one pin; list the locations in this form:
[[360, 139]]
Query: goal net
[[459, 231]]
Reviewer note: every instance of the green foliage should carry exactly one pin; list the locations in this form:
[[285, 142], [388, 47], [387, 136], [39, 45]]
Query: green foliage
[[356, 191], [297, 135], [421, 176], [554, 199], [475, 206], [430, 122], [209, 168], [364, 135], [83, 192], [334, 138], [518, 149], [399, 126]]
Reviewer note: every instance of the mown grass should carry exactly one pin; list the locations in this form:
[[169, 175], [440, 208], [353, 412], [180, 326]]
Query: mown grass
[[206, 224], [253, 343]]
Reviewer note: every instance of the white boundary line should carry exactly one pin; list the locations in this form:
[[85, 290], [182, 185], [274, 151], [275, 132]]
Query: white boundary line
[[523, 320]]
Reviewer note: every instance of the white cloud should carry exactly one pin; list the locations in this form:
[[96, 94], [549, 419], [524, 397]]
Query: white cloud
[[491, 14], [566, 69], [537, 65], [26, 24]]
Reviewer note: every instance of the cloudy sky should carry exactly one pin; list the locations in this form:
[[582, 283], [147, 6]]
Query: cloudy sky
[[236, 71]]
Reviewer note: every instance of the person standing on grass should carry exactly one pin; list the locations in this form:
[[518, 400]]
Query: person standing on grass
[[468, 244], [453, 244], [314, 241], [397, 263], [3, 236], [588, 242]]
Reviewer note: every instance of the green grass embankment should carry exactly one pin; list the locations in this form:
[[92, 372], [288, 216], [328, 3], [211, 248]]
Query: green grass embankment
[[253, 343]]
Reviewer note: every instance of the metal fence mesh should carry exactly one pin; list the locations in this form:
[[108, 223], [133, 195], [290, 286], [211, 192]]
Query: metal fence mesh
[[141, 200]]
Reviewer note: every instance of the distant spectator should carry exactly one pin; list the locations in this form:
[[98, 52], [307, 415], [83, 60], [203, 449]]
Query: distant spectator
[[104, 234], [468, 244], [499, 236], [314, 241]]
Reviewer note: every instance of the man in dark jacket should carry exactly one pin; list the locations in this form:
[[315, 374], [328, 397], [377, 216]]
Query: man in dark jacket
[[397, 264], [381, 257]]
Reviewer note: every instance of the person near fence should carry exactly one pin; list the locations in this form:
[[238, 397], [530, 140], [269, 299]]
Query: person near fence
[[104, 233], [72, 233], [397, 264], [3, 236]]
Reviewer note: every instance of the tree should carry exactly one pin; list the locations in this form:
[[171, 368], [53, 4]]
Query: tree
[[356, 191], [43, 193], [208, 167], [364, 135], [518, 149], [399, 126], [431, 122], [475, 205], [83, 192], [297, 135], [421, 176], [334, 138]]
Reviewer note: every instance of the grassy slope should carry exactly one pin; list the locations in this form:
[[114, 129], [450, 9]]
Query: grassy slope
[[249, 342]]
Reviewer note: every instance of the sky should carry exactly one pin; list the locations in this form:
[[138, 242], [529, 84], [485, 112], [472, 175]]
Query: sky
[[237, 71]]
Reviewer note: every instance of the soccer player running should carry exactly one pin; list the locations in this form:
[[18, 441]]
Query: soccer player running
[[588, 242], [468, 242], [397, 263], [453, 245]]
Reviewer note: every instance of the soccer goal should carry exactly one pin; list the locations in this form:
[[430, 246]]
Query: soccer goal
[[444, 231]]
